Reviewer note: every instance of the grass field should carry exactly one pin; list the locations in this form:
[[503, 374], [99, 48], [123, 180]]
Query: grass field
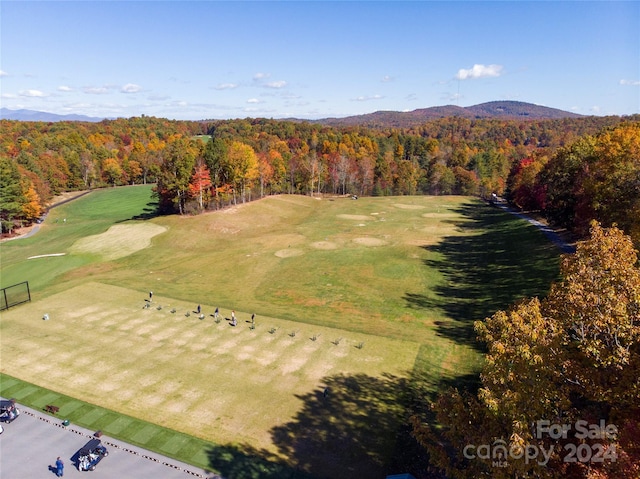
[[373, 298]]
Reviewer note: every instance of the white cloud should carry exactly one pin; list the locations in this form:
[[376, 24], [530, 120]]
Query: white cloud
[[387, 79], [32, 93], [64, 88], [368, 98], [261, 76], [253, 100], [630, 82], [8, 95], [479, 71], [226, 86], [3, 73], [130, 88], [276, 84]]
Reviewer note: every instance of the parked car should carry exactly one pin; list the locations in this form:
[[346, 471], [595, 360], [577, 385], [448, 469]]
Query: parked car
[[8, 411], [91, 454]]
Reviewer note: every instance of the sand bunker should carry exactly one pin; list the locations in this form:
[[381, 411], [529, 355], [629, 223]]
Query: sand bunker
[[324, 245], [408, 207], [370, 241], [119, 240], [355, 217], [289, 252]]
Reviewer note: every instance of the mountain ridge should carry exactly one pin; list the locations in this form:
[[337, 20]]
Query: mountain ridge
[[493, 109], [378, 119], [35, 115]]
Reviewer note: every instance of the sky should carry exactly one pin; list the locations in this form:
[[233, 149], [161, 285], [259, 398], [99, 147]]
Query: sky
[[194, 60]]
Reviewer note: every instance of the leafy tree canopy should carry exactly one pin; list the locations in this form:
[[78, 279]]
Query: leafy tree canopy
[[554, 368]]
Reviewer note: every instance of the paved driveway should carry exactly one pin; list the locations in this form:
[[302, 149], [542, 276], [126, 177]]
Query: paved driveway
[[30, 444], [547, 230]]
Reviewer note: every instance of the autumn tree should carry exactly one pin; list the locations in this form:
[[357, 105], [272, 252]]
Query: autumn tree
[[112, 171], [200, 185], [597, 177], [174, 174], [570, 361], [243, 165], [384, 173], [266, 171], [31, 204], [19, 201], [523, 189]]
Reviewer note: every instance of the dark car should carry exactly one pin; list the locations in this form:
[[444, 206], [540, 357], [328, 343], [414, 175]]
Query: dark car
[[8, 410], [91, 454]]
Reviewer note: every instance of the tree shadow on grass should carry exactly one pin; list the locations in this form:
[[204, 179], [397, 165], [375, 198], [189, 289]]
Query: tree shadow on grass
[[498, 260], [360, 428], [246, 462], [151, 210]]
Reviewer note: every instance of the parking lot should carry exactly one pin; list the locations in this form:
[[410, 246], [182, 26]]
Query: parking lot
[[31, 443]]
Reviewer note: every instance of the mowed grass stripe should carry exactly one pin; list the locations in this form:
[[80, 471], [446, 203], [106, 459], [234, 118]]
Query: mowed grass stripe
[[135, 431], [205, 379]]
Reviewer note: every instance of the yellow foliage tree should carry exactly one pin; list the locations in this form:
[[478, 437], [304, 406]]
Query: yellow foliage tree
[[560, 393]]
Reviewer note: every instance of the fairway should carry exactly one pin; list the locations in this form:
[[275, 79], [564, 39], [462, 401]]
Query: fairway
[[373, 299]]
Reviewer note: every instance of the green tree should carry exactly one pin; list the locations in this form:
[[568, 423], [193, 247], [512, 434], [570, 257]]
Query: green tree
[[11, 195]]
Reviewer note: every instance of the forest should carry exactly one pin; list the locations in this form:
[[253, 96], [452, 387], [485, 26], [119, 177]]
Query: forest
[[570, 170]]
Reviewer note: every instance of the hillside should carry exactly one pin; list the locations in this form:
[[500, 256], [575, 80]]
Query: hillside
[[33, 115], [493, 109]]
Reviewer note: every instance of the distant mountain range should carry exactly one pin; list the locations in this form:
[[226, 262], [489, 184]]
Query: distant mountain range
[[492, 109], [32, 115], [379, 119]]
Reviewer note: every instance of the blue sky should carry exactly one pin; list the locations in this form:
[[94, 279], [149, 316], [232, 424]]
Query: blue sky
[[316, 59]]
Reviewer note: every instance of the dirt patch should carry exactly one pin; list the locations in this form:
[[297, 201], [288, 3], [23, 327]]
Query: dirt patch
[[119, 240], [289, 253], [224, 228], [324, 245], [370, 241], [403, 206]]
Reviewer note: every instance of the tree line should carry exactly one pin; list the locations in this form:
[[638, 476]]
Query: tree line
[[203, 165]]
